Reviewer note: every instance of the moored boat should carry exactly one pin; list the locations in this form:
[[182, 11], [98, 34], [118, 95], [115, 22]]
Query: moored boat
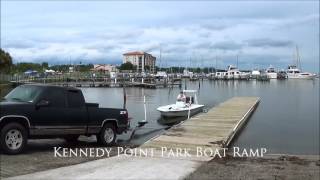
[[271, 73], [255, 73], [294, 73], [233, 72]]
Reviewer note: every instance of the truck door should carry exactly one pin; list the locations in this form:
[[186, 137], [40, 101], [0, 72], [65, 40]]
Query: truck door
[[77, 110], [49, 118]]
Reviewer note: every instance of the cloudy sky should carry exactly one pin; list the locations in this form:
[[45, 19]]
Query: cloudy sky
[[187, 32]]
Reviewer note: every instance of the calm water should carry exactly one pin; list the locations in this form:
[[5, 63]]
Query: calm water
[[286, 120]]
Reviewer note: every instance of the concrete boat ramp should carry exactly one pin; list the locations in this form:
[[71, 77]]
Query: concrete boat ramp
[[172, 155]]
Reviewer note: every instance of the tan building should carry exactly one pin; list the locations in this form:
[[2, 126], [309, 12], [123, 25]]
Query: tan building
[[104, 68], [141, 60]]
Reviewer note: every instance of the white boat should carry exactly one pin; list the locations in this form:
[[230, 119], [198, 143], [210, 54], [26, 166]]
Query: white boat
[[255, 73], [220, 75], [187, 73], [294, 73], [181, 108], [233, 72], [161, 74], [271, 73]]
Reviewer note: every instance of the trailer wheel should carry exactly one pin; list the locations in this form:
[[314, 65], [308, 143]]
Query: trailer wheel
[[107, 135], [13, 138]]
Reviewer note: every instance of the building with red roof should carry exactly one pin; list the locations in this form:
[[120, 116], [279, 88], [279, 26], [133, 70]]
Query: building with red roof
[[142, 60]]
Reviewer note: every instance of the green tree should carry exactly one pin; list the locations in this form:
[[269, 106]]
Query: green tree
[[5, 61], [22, 67], [127, 66], [45, 65]]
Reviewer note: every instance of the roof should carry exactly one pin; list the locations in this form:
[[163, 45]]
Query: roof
[[134, 53]]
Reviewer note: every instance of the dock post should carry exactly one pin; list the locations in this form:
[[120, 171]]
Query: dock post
[[189, 107]]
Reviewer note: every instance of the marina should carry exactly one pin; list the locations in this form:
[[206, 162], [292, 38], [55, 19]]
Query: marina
[[285, 105], [279, 110]]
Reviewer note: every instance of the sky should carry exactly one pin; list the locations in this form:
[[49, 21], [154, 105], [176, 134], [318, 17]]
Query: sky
[[187, 33]]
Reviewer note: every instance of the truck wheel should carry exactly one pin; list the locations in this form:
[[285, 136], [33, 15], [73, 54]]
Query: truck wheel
[[107, 135], [13, 138]]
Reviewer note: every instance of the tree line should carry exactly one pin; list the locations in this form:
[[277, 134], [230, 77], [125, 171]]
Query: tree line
[[8, 67]]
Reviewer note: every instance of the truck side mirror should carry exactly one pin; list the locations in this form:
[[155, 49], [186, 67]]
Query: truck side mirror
[[43, 103]]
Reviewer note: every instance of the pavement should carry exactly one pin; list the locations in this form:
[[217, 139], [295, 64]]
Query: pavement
[[121, 167]]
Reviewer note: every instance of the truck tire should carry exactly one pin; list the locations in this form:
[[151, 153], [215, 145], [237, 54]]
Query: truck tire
[[13, 138], [108, 135]]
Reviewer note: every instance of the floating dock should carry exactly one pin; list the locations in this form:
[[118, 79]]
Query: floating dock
[[214, 129]]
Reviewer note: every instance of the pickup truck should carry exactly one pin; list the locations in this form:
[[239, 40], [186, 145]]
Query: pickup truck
[[45, 111]]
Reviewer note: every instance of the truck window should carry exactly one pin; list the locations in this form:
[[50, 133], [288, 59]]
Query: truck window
[[75, 99], [56, 97]]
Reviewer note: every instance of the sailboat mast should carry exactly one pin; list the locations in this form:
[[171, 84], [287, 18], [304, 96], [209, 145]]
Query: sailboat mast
[[160, 59], [237, 60], [298, 59], [216, 63]]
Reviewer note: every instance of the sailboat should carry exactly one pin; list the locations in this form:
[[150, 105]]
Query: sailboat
[[293, 72]]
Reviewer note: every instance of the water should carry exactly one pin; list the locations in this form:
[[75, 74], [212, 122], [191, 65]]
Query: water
[[286, 120]]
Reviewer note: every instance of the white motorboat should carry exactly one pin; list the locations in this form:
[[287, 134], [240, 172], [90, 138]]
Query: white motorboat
[[161, 74], [185, 108], [220, 74], [294, 73], [255, 73], [233, 72], [271, 73]]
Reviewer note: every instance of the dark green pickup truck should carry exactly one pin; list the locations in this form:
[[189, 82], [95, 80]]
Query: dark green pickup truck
[[45, 111]]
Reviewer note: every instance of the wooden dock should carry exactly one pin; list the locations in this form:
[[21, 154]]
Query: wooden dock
[[214, 129]]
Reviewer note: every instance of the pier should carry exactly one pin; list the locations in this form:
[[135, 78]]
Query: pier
[[103, 82], [215, 129]]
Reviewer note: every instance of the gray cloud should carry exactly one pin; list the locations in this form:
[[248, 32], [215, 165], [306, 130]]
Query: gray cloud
[[227, 45], [266, 42], [182, 30], [214, 26], [19, 44]]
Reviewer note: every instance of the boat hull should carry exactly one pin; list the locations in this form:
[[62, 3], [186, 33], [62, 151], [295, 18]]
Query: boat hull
[[181, 112], [272, 75], [301, 76]]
